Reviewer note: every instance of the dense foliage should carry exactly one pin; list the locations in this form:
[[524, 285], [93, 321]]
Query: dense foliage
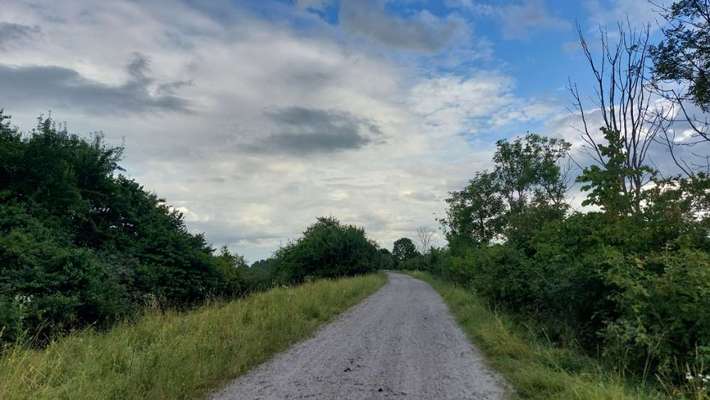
[[328, 249], [403, 249], [632, 286], [684, 54], [81, 244], [525, 188], [628, 280]]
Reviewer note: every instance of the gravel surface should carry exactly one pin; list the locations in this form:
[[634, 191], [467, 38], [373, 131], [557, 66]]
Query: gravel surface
[[400, 343]]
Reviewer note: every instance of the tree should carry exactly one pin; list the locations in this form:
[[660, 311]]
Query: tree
[[424, 237], [11, 149], [624, 103], [233, 268], [474, 214], [386, 260], [681, 74], [327, 249], [603, 182], [527, 171], [81, 244], [403, 250], [525, 189], [684, 55]]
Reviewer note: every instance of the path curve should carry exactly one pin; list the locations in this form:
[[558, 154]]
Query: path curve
[[400, 343]]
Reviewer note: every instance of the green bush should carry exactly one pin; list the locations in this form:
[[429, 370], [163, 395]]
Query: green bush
[[51, 286], [629, 283], [82, 245], [664, 318], [595, 283], [404, 250], [328, 249]]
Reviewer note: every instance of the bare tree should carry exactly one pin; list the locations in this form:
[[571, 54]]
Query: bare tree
[[622, 97], [425, 236]]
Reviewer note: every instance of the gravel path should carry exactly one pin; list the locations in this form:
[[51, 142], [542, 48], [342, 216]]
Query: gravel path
[[400, 343]]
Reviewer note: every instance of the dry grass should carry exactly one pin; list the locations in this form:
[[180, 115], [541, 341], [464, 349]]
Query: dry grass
[[178, 355]]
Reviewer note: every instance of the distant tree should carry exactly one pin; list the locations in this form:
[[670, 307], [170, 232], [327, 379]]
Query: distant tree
[[474, 214], [233, 268], [386, 259], [527, 171], [263, 274], [403, 250], [525, 189], [424, 236], [327, 249]]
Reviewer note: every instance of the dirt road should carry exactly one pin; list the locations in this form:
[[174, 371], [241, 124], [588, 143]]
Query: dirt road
[[400, 343]]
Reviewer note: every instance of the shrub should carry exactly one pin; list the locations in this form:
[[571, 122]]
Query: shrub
[[81, 244], [629, 283], [328, 249], [404, 250], [664, 319], [50, 285]]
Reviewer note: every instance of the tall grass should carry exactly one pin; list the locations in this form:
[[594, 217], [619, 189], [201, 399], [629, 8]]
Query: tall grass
[[174, 355], [536, 369]]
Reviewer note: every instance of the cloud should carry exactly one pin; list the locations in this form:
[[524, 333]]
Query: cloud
[[569, 126], [342, 129], [422, 32], [638, 13], [519, 20], [55, 86], [312, 4], [15, 34], [303, 131], [470, 105]]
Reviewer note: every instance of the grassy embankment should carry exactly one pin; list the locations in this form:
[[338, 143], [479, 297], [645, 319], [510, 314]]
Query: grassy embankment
[[535, 369], [174, 355]]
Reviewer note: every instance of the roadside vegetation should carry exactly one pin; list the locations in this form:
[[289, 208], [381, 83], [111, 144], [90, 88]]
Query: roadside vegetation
[[83, 245], [173, 355], [104, 293], [622, 286], [626, 288], [535, 367]]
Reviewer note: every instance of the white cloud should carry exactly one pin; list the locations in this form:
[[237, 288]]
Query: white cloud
[[242, 73], [468, 105], [518, 19], [611, 12], [423, 31]]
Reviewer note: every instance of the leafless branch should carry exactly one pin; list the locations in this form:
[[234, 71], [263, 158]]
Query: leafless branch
[[623, 96]]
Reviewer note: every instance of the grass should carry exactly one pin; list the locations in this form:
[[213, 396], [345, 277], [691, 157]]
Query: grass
[[536, 369], [178, 355]]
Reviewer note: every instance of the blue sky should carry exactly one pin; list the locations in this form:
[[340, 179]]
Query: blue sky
[[255, 117]]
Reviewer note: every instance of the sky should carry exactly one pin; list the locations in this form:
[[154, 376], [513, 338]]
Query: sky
[[253, 118]]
